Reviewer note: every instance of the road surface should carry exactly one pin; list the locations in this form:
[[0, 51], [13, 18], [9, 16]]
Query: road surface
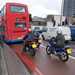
[[49, 65]]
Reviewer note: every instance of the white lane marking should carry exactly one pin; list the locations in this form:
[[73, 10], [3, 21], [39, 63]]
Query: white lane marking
[[72, 57], [42, 46]]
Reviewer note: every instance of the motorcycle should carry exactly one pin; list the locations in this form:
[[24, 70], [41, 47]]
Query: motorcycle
[[62, 53], [31, 46]]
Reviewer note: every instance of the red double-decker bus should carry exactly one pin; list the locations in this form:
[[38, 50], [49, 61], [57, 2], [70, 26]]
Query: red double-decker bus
[[15, 21]]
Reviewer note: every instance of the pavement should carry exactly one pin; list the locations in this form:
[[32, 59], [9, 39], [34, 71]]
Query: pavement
[[10, 63], [0, 62]]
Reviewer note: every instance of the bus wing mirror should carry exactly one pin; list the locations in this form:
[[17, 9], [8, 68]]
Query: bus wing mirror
[[30, 17], [0, 12]]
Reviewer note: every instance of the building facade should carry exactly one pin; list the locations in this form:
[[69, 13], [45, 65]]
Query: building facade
[[69, 8]]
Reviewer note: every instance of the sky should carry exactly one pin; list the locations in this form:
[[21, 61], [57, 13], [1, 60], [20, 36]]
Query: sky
[[39, 8]]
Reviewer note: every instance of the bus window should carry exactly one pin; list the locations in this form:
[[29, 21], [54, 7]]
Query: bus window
[[20, 25], [18, 9]]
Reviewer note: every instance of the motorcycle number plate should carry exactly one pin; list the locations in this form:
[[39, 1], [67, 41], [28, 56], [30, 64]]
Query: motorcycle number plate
[[34, 46], [69, 51]]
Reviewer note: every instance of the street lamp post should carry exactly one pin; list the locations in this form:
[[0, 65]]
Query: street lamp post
[[62, 4]]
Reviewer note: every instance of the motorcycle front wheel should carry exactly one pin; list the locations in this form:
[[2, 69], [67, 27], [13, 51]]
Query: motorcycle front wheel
[[48, 50], [63, 56]]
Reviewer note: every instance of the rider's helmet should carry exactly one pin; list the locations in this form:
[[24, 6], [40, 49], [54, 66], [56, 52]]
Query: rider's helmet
[[59, 31]]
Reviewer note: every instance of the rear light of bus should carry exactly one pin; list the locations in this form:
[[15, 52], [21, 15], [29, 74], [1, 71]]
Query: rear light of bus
[[29, 30]]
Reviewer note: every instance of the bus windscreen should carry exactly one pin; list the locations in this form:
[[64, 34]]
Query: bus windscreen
[[17, 9]]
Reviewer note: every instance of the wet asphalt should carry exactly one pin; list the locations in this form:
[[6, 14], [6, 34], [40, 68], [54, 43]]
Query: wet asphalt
[[0, 62]]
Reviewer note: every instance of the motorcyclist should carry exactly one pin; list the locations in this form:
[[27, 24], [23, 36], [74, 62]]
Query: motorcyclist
[[29, 37], [60, 40]]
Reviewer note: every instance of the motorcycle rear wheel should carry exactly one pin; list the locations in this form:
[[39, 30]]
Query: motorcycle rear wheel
[[29, 51], [64, 56], [48, 50]]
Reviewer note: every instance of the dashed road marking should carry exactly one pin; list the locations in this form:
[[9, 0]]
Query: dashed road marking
[[72, 57]]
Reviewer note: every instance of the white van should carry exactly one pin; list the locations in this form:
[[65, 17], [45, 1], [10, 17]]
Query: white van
[[52, 32], [66, 32]]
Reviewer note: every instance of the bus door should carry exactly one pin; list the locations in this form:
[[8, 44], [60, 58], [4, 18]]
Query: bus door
[[17, 21]]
